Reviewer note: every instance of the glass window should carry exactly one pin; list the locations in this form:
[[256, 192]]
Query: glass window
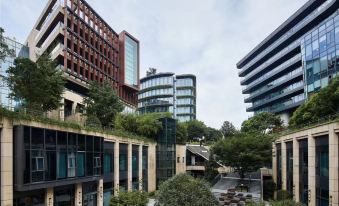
[[71, 165], [81, 164], [322, 43], [62, 165]]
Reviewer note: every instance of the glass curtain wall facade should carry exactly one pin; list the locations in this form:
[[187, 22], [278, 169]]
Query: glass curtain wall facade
[[275, 72], [20, 51], [135, 167], [64, 196], [279, 169], [145, 168], [89, 194], [322, 168], [165, 151], [108, 171], [289, 167], [303, 171], [123, 166], [131, 61], [165, 92], [320, 54]]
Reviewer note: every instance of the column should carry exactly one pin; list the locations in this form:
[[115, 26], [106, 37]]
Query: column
[[274, 162], [116, 168], [78, 194], [129, 167], [311, 171], [140, 167], [49, 197], [283, 165], [296, 170], [333, 143], [100, 195], [151, 168], [6, 163]]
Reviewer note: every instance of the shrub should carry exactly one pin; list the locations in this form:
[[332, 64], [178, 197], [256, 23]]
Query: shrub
[[133, 198], [184, 190]]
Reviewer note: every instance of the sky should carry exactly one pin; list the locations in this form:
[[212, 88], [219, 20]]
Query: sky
[[201, 37]]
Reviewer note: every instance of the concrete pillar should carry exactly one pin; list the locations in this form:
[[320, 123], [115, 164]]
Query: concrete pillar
[[283, 165], [6, 163], [116, 168], [140, 167], [49, 196], [151, 168], [129, 167], [333, 141], [78, 194], [311, 171], [296, 170], [274, 162], [100, 196]]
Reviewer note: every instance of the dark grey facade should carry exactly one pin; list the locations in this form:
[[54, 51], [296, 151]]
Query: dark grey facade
[[273, 73], [167, 92]]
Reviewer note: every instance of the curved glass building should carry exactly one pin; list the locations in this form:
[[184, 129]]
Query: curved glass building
[[167, 92], [294, 61]]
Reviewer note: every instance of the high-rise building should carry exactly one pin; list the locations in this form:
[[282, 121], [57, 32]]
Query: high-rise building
[[20, 50], [298, 58], [87, 49], [167, 92]]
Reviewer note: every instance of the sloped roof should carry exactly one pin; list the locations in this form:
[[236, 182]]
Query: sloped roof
[[199, 150]]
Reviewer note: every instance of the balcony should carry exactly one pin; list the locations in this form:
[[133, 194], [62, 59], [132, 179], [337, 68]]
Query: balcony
[[58, 50], [58, 29], [288, 34]]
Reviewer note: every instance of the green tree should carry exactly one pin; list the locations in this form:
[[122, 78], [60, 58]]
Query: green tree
[[181, 133], [319, 105], [5, 51], [195, 129], [212, 135], [227, 129], [126, 122], [103, 102], [39, 86], [244, 152], [211, 169], [132, 198], [185, 190], [263, 122], [149, 125]]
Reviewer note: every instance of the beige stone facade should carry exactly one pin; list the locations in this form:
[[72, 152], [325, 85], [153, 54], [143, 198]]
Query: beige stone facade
[[180, 159], [7, 190], [328, 131]]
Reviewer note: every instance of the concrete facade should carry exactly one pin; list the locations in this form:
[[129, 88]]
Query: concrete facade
[[180, 159], [330, 131], [7, 158]]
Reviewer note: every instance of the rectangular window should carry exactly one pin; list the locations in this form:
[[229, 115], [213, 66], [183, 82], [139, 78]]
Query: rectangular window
[[81, 164], [37, 164], [71, 165], [62, 165]]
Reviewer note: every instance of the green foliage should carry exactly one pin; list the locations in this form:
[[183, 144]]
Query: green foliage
[[211, 169], [103, 102], [228, 129], [244, 152], [5, 51], [283, 195], [149, 125], [133, 198], [323, 103], [212, 135], [181, 133], [263, 122], [185, 190], [145, 125], [38, 86], [195, 129], [276, 203]]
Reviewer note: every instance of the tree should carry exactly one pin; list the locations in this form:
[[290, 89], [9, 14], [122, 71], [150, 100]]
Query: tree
[[132, 198], [181, 133], [319, 105], [212, 135], [227, 129], [244, 152], [126, 122], [38, 86], [185, 190], [5, 51], [149, 124], [103, 102], [195, 129], [263, 122]]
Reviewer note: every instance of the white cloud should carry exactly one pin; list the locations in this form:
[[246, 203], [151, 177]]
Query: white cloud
[[206, 38]]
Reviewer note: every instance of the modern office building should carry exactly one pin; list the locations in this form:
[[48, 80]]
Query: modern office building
[[305, 163], [87, 49], [20, 50], [298, 58], [167, 92], [44, 164]]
